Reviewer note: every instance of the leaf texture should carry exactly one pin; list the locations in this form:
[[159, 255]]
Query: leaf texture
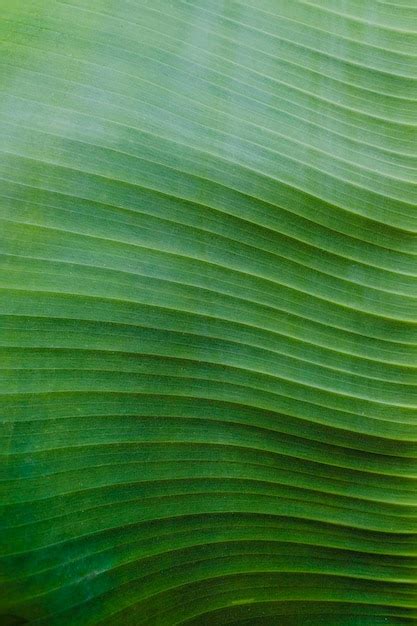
[[208, 312]]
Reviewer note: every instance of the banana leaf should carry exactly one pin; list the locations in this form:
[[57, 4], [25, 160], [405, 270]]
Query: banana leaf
[[208, 312]]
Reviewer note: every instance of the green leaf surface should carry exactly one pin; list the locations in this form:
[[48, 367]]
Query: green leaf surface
[[208, 310]]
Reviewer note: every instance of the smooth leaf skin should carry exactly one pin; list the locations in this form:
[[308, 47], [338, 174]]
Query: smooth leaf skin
[[208, 307]]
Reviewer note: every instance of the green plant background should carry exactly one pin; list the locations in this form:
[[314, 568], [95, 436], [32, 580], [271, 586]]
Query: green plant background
[[208, 312]]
